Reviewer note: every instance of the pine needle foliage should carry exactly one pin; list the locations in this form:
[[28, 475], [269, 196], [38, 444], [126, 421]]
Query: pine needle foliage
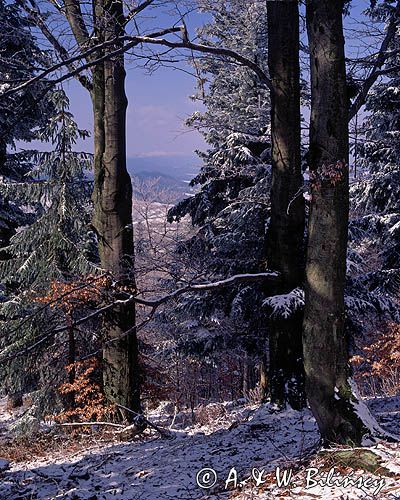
[[57, 246], [374, 256]]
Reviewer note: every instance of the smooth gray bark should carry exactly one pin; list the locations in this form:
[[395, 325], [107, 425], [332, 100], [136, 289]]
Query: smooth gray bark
[[286, 229], [324, 340], [112, 198]]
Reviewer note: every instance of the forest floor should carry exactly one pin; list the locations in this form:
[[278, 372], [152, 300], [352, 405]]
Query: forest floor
[[242, 443]]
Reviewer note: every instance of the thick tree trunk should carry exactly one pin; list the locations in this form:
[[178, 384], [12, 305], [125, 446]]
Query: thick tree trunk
[[113, 214], [286, 229], [325, 346]]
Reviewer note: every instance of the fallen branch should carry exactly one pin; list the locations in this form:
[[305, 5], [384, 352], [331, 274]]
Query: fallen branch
[[124, 431], [91, 424], [160, 430]]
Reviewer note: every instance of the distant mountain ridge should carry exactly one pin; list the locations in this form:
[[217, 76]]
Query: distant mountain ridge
[[164, 181], [174, 172]]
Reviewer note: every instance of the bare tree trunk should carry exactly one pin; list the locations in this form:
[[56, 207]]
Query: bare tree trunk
[[263, 376], [325, 345], [113, 213], [4, 229], [246, 375], [286, 229], [70, 400]]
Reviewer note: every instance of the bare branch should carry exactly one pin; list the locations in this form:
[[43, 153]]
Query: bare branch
[[381, 58], [206, 49], [153, 304], [132, 41], [134, 12], [83, 55], [37, 19]]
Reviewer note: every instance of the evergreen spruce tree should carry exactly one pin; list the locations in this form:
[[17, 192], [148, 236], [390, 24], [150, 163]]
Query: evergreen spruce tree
[[374, 257], [231, 205], [22, 113], [58, 245], [234, 125]]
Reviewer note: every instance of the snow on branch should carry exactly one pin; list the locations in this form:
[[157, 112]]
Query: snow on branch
[[152, 303], [237, 279], [283, 306]]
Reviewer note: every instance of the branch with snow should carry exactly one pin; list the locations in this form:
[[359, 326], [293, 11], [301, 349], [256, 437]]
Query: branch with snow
[[152, 303], [237, 279], [284, 305]]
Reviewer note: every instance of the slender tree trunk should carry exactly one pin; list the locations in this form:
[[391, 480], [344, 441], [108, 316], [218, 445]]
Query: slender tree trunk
[[4, 230], [7, 229], [286, 229], [3, 155], [263, 376], [113, 213], [246, 376], [325, 345], [70, 400]]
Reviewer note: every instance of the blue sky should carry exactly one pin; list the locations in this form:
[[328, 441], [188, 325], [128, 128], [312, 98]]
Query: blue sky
[[159, 104]]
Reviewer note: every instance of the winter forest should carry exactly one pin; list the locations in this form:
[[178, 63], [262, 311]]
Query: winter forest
[[232, 333]]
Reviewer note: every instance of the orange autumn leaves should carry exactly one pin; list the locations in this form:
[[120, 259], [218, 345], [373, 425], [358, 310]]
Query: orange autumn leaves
[[328, 175], [380, 360], [83, 394], [76, 294], [89, 402]]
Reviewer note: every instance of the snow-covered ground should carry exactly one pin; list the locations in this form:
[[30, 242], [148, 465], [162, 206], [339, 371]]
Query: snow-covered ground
[[236, 442]]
